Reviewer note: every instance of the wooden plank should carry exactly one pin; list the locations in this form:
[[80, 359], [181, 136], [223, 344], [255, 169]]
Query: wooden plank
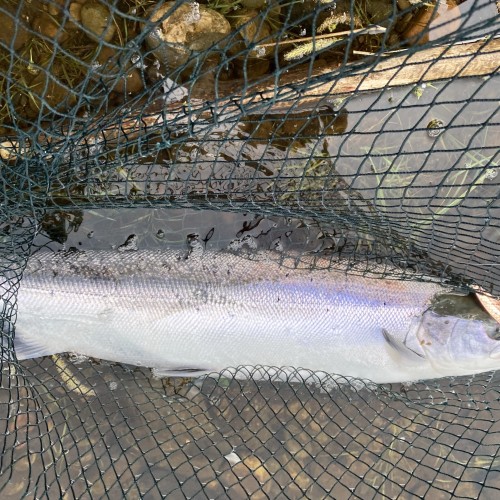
[[295, 90]]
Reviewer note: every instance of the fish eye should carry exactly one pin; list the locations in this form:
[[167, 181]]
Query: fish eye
[[495, 334]]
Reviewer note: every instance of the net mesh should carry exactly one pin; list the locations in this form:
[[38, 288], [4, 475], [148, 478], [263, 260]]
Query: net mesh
[[104, 430], [374, 124]]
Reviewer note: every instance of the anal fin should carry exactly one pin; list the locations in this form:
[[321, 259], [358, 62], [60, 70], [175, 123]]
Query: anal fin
[[179, 372]]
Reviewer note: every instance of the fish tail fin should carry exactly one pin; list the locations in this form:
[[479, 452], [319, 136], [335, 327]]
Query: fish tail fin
[[29, 348]]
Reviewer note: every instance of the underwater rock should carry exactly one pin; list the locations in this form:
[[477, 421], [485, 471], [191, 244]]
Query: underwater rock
[[190, 27], [97, 18]]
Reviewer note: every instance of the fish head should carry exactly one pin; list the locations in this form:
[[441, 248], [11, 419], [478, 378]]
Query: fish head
[[454, 344]]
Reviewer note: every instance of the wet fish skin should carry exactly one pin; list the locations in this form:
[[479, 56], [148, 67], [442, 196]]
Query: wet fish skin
[[216, 310]]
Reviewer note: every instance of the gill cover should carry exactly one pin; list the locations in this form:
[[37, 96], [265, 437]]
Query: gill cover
[[449, 342]]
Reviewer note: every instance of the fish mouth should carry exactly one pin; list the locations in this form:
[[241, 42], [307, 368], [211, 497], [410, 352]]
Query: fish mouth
[[495, 353]]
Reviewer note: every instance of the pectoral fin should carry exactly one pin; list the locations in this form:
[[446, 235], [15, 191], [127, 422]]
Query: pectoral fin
[[403, 351]]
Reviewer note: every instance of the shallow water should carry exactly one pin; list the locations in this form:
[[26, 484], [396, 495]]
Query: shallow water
[[98, 428]]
